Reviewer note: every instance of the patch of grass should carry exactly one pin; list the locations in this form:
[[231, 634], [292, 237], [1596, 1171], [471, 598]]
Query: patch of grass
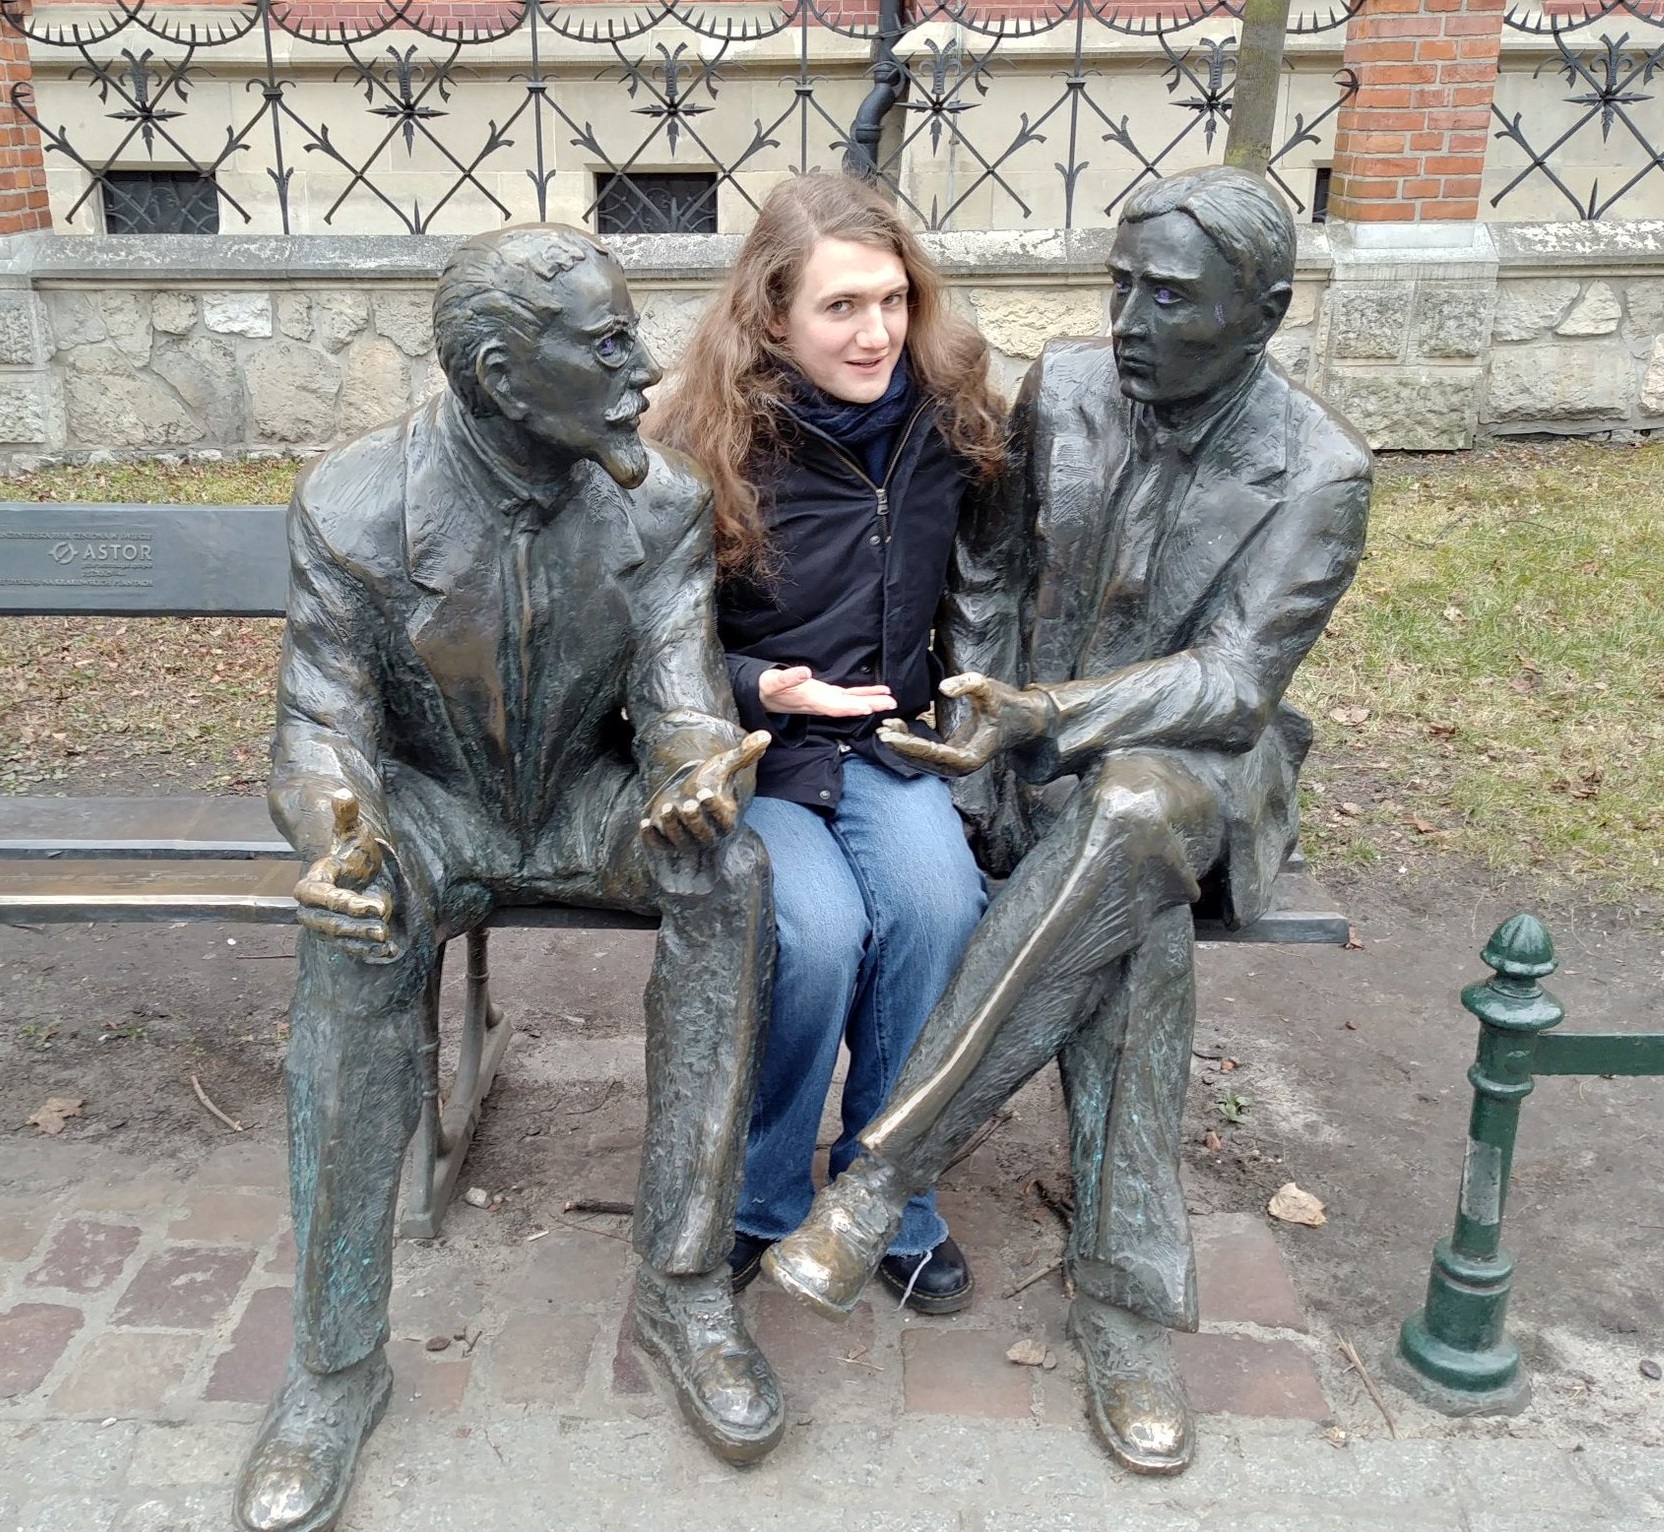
[[265, 481], [1493, 685]]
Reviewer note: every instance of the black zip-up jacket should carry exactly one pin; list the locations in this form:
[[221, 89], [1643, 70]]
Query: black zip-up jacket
[[861, 568]]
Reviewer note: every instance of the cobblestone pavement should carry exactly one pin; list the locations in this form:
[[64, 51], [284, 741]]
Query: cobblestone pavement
[[144, 1319]]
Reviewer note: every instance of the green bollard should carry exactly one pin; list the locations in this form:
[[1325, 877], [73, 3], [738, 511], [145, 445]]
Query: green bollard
[[1454, 1354]]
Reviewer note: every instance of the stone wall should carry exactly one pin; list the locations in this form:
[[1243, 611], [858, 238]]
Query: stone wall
[[1427, 336]]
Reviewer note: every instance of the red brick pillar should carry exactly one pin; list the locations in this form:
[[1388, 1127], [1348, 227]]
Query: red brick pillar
[[23, 205], [1410, 145]]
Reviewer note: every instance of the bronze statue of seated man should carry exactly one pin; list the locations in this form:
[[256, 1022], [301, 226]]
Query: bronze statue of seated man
[[501, 684], [1174, 529]]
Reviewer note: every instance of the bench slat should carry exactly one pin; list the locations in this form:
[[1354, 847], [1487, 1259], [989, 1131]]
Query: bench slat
[[144, 560]]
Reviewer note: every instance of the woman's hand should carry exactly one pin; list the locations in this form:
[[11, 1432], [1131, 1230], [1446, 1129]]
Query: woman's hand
[[795, 690]]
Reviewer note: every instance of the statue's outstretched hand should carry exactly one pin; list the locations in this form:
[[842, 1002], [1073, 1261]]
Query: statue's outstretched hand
[[703, 806], [348, 894], [1000, 718]]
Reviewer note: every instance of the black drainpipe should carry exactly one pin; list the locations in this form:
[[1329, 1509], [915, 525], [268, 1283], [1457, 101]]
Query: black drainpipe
[[861, 155]]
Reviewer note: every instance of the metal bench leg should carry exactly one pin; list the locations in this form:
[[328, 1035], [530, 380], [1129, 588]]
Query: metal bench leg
[[446, 1131]]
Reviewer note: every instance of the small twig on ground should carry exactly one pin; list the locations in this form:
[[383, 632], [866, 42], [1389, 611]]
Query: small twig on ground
[[981, 1136], [856, 1359], [202, 1096], [590, 1228], [593, 1205], [1029, 1281], [1349, 1351], [1063, 1207]]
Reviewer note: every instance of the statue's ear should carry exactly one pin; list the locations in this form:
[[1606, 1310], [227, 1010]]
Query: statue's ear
[[1272, 307], [494, 372]]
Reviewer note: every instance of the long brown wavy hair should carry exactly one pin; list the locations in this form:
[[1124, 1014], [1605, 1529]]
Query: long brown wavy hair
[[725, 397]]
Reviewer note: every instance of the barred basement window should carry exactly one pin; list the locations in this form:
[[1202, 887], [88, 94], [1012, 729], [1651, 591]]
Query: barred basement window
[[1320, 194], [654, 202], [160, 202]]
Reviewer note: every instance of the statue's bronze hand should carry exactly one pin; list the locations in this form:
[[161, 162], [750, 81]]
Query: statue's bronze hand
[[703, 806], [1000, 718], [346, 894]]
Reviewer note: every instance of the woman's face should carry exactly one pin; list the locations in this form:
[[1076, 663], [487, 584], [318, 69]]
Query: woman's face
[[847, 323]]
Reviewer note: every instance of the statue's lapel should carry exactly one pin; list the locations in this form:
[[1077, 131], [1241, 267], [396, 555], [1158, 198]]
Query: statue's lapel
[[1237, 486], [453, 553]]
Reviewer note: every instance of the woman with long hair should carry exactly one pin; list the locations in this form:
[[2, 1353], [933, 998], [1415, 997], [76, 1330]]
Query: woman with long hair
[[843, 412]]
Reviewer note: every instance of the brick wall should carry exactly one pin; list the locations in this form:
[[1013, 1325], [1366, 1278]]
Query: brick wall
[[22, 176], [1410, 145]]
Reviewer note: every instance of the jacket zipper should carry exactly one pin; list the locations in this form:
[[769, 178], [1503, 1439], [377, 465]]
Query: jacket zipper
[[881, 492]]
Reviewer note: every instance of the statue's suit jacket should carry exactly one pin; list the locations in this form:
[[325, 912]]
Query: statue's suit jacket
[[1242, 576], [522, 676]]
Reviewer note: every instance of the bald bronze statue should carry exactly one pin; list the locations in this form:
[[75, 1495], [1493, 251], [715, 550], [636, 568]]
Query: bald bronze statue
[[501, 684], [1176, 524]]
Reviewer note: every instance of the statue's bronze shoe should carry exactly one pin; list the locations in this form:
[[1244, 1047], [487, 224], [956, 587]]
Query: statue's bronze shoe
[[1134, 1395], [300, 1467], [830, 1257], [723, 1382]]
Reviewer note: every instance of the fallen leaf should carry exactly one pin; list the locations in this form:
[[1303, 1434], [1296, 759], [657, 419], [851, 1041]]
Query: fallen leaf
[[1424, 826], [1210, 1141], [1291, 1205], [1441, 730], [1351, 1026], [1351, 717], [1351, 944], [1351, 810], [52, 1113], [1530, 665], [1227, 1065], [1454, 614], [1030, 1353]]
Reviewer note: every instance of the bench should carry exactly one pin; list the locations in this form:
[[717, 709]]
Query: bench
[[68, 860]]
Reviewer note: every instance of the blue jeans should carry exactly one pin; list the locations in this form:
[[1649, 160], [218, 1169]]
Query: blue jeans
[[873, 908]]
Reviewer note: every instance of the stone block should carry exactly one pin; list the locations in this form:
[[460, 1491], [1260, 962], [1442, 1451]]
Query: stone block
[[569, 1270], [250, 1369], [228, 1218], [168, 1454], [812, 1359], [427, 1383], [125, 1374], [1597, 312], [294, 315], [1415, 409], [192, 1511], [1644, 303], [23, 411], [1240, 1275], [293, 393], [22, 1220], [203, 371], [111, 410], [1292, 351], [1554, 384], [539, 1358], [127, 324], [19, 344], [74, 318], [173, 313], [247, 314], [1453, 319], [71, 1513], [629, 1372], [1370, 323], [1525, 309], [964, 1372], [339, 317], [406, 319], [1236, 1375], [33, 1336], [1020, 320], [188, 1287], [374, 388], [85, 1257], [1652, 385], [667, 323], [282, 1262], [246, 1162]]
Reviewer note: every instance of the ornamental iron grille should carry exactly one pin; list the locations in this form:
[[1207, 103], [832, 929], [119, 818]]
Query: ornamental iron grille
[[406, 115], [1593, 147]]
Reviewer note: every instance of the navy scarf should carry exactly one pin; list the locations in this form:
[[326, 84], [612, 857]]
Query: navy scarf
[[865, 431]]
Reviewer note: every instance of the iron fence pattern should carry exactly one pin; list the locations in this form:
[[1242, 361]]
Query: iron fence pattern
[[1594, 146], [439, 117]]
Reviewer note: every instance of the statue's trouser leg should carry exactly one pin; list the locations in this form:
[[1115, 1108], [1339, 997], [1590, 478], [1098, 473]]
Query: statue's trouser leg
[[707, 1001], [354, 1098], [1124, 1076], [1048, 956]]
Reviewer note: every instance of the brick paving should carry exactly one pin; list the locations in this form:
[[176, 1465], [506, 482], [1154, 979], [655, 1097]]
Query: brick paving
[[144, 1322]]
